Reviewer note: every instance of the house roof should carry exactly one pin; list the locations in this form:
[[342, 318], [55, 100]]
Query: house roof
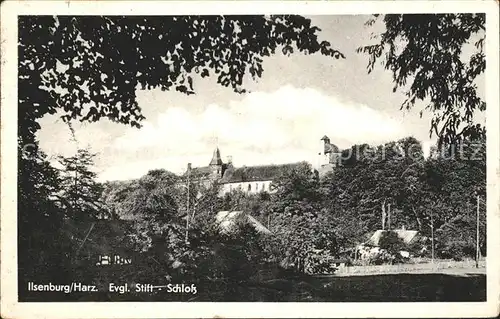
[[255, 173], [227, 221], [331, 148], [408, 236], [200, 171]]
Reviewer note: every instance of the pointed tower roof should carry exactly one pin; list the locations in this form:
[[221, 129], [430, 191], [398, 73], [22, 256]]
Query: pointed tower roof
[[216, 160], [325, 138]]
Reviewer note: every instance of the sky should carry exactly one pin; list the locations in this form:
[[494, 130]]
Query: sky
[[297, 101]]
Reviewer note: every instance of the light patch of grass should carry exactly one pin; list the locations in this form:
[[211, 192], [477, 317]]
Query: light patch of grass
[[419, 266]]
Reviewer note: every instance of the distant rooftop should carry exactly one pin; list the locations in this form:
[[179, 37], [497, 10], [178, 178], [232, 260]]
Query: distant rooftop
[[255, 173], [227, 220], [200, 171], [408, 236]]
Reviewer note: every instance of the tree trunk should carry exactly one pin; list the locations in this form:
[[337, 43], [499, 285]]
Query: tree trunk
[[383, 215], [389, 216], [419, 221]]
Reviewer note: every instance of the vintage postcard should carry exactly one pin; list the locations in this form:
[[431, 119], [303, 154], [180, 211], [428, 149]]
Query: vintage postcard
[[241, 159]]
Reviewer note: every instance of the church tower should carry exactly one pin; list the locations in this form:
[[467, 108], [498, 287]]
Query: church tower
[[216, 164], [323, 154], [329, 156], [331, 152]]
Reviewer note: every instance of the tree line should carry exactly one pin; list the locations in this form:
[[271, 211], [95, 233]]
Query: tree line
[[313, 219]]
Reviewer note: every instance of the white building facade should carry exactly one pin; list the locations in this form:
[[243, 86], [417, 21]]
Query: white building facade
[[256, 179]]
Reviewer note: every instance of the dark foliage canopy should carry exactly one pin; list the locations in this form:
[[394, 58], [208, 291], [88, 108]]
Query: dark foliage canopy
[[89, 67], [426, 55]]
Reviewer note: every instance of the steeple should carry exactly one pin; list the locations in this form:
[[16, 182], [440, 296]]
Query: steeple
[[216, 159]]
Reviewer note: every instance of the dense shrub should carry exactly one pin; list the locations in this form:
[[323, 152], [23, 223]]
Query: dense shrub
[[383, 257], [457, 249], [393, 245], [420, 248], [320, 261], [390, 241]]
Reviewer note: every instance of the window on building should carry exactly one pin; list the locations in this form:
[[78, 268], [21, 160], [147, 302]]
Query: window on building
[[230, 187], [256, 187], [249, 187]]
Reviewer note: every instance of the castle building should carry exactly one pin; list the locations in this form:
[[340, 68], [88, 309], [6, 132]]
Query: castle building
[[254, 179], [208, 174]]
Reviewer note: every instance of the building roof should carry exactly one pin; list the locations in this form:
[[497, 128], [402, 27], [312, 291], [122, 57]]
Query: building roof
[[200, 171], [255, 173], [408, 236], [331, 148], [227, 220], [216, 159]]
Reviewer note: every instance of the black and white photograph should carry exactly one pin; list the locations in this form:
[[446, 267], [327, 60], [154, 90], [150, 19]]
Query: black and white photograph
[[293, 156]]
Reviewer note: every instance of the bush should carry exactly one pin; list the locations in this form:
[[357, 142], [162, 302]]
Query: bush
[[456, 249], [382, 257], [393, 245], [391, 242], [320, 261], [420, 248]]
